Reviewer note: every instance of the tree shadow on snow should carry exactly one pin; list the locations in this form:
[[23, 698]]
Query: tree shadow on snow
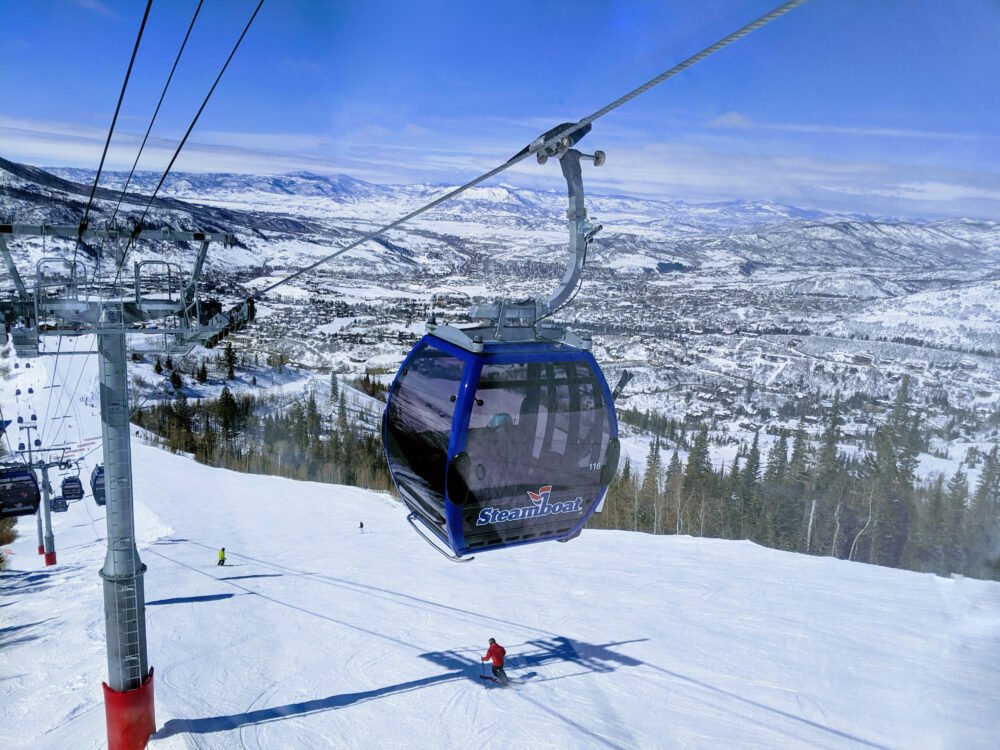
[[190, 599], [256, 575], [25, 637], [25, 581]]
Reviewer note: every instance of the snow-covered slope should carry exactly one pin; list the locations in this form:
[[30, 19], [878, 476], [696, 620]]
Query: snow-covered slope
[[316, 636]]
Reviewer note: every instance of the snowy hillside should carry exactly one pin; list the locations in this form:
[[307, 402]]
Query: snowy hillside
[[316, 636]]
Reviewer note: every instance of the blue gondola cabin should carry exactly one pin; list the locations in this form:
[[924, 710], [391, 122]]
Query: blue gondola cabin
[[507, 444]]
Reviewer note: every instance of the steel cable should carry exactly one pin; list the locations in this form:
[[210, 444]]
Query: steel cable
[[111, 130], [138, 226], [156, 111], [541, 145]]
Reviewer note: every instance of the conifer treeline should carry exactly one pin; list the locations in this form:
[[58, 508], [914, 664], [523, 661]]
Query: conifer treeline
[[267, 435], [812, 498], [809, 496]]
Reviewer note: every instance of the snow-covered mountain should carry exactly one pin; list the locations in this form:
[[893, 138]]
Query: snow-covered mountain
[[661, 279], [321, 211]]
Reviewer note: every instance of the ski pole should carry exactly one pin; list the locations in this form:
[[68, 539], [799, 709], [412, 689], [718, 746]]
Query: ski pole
[[483, 665]]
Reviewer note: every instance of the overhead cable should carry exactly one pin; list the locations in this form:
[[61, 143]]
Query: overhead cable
[[180, 146], [111, 130], [157, 110], [541, 144]]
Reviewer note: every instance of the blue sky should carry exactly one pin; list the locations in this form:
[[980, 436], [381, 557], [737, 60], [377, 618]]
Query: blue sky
[[888, 107]]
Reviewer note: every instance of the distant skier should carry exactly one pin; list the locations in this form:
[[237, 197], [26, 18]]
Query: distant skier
[[222, 556], [362, 527], [496, 653]]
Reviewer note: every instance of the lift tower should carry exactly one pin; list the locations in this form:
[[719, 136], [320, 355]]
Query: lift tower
[[65, 302]]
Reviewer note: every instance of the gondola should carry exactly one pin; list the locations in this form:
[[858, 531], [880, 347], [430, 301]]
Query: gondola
[[72, 488], [19, 494], [97, 484], [505, 433]]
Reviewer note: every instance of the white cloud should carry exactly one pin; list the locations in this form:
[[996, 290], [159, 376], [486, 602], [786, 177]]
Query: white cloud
[[97, 7], [697, 173], [739, 121], [731, 120]]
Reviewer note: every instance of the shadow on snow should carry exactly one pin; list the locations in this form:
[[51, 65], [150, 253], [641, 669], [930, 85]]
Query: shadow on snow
[[190, 599], [594, 657]]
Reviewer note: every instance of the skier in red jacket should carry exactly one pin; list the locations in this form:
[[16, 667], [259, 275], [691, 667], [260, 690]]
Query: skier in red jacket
[[496, 653]]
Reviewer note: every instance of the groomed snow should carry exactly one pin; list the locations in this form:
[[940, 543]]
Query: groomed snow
[[316, 636]]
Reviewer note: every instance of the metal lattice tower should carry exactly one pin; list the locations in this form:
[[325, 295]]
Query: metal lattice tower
[[63, 302]]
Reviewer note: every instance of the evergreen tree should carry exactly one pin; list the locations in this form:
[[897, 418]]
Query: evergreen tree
[[932, 543], [789, 516], [648, 498], [158, 366], [228, 412], [229, 358], [202, 375], [697, 490], [334, 388], [674, 494], [825, 488], [175, 380], [982, 533], [342, 414], [772, 488], [954, 524], [750, 504]]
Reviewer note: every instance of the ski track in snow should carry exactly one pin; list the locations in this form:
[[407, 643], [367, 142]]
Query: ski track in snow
[[315, 636]]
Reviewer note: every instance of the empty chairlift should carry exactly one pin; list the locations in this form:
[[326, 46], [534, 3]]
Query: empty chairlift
[[19, 494], [58, 504]]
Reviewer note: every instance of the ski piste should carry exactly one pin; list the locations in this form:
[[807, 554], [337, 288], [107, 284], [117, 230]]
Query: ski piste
[[499, 682]]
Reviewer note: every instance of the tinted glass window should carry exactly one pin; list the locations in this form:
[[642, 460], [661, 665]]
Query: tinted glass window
[[419, 425], [533, 426]]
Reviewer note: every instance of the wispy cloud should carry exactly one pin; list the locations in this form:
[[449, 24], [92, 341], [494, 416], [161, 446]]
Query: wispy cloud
[[424, 154], [97, 7], [739, 121]]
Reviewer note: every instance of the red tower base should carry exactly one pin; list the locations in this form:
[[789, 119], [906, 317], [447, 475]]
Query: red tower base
[[50, 558], [41, 549], [130, 715]]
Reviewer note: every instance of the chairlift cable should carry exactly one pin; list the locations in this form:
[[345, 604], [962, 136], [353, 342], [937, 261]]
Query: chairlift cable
[[540, 145], [157, 110], [62, 412], [180, 146], [111, 130], [682, 66], [52, 378], [76, 387], [6, 437]]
